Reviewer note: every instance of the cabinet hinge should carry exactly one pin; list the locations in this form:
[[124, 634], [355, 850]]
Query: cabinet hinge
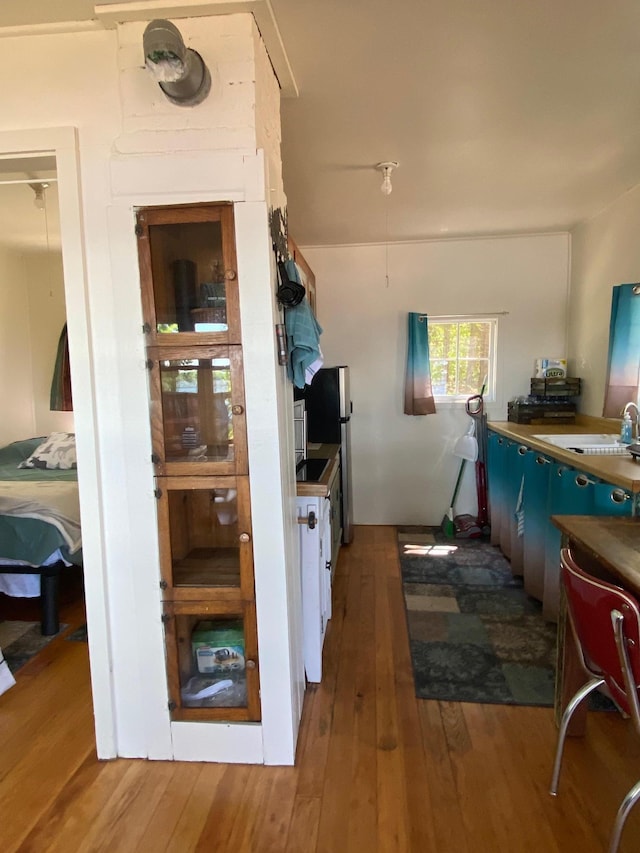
[[171, 705], [139, 230], [165, 618], [157, 493], [163, 584], [149, 364], [155, 458], [327, 565], [146, 328]]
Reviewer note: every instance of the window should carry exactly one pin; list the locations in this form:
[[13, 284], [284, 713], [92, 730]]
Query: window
[[462, 356]]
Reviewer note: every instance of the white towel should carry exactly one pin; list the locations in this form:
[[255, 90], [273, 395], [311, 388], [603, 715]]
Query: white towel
[[6, 679], [519, 511]]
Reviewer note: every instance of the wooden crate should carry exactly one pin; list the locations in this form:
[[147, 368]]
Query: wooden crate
[[562, 386], [552, 414]]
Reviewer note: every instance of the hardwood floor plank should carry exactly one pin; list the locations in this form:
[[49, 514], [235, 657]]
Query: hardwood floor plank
[[334, 817], [392, 826], [377, 769], [305, 820], [193, 818], [271, 831]]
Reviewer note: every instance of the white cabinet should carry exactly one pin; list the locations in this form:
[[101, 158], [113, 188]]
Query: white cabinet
[[314, 514]]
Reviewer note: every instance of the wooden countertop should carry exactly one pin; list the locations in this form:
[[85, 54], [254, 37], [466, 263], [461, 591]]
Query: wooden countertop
[[619, 470], [613, 541], [320, 489]]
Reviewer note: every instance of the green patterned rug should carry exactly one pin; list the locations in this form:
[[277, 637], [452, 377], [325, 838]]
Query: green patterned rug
[[20, 641], [475, 635]]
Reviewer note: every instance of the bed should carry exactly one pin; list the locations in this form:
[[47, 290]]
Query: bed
[[40, 531]]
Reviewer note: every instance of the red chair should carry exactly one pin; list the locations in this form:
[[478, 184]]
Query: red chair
[[605, 620]]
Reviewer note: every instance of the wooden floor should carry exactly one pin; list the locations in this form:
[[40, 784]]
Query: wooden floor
[[378, 770]]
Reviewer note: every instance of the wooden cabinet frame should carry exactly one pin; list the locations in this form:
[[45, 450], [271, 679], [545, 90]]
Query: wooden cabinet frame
[[241, 592], [191, 533], [179, 619], [178, 215], [239, 463]]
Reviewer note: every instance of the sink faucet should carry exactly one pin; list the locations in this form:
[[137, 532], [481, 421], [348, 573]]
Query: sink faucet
[[636, 430]]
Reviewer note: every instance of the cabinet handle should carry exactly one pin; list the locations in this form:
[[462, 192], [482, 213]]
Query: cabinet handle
[[619, 496], [540, 460], [244, 537], [309, 520], [237, 410], [250, 664], [582, 480]]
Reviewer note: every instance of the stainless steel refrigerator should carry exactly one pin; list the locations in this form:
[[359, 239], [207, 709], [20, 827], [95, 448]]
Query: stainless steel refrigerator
[[329, 409]]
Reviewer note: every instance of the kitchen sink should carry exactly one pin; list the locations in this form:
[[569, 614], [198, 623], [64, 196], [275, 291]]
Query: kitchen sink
[[593, 444]]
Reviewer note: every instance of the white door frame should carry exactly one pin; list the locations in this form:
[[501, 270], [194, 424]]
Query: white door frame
[[63, 144]]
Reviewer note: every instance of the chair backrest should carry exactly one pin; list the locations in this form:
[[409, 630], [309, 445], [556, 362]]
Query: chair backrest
[[596, 610]]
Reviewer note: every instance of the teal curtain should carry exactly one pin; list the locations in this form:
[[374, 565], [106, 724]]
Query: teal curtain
[[418, 394], [624, 350], [60, 397]]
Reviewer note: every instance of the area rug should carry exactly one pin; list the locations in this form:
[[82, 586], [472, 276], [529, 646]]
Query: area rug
[[79, 635], [475, 635], [21, 641]]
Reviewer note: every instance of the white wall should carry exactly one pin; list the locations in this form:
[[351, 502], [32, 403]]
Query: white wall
[[605, 251], [137, 149], [47, 316], [403, 467], [16, 378]]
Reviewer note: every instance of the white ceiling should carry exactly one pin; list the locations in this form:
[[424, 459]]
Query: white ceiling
[[506, 117]]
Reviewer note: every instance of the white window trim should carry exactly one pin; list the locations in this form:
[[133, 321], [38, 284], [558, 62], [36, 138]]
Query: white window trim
[[489, 396]]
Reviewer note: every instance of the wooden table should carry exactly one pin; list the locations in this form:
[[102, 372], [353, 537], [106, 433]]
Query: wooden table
[[609, 548]]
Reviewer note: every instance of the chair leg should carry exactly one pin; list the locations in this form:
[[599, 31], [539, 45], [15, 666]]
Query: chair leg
[[584, 691], [623, 812]]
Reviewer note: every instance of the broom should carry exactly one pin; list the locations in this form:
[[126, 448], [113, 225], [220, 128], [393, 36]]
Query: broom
[[448, 526]]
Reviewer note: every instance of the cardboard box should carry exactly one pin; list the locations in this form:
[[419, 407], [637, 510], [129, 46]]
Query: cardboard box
[[218, 647]]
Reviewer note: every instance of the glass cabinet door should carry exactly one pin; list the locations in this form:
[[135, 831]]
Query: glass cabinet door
[[188, 274], [206, 548], [212, 662], [197, 410]]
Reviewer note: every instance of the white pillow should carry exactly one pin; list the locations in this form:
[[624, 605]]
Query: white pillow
[[57, 451]]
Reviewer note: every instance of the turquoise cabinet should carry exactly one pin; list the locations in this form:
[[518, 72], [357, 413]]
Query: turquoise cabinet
[[537, 472], [570, 493], [525, 489], [496, 480], [516, 458]]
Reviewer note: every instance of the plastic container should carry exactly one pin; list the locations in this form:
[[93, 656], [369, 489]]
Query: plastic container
[[626, 429]]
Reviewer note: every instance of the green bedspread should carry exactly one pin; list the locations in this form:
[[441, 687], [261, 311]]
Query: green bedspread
[[27, 539]]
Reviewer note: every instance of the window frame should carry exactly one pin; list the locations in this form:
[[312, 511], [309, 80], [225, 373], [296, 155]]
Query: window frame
[[458, 319]]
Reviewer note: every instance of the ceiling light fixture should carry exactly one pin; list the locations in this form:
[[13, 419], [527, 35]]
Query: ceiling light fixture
[[39, 188], [386, 167]]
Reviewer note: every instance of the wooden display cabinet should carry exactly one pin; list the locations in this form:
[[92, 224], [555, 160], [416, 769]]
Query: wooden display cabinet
[[198, 429], [198, 423], [212, 647], [206, 546], [188, 260]]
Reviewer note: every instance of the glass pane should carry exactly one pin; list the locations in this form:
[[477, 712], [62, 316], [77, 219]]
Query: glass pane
[[212, 662], [459, 356], [196, 409], [188, 277], [203, 529]]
